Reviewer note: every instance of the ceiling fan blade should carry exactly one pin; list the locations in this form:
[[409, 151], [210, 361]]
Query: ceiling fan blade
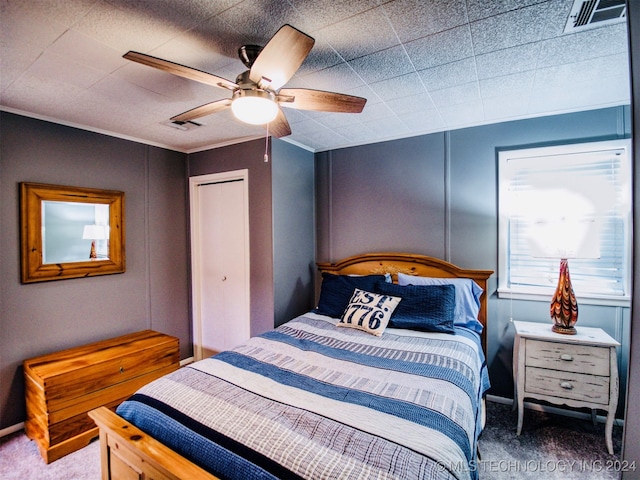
[[180, 70], [319, 100], [281, 57], [202, 110], [280, 126]]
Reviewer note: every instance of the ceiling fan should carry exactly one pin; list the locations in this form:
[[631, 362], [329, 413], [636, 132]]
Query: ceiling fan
[[257, 93]]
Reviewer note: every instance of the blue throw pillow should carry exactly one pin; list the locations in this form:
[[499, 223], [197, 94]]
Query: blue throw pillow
[[468, 295], [428, 308], [336, 291]]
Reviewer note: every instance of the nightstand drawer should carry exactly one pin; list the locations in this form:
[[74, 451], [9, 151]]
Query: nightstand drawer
[[590, 388], [567, 357]]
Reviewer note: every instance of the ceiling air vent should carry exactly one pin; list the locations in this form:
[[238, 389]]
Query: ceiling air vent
[[178, 125], [595, 13]]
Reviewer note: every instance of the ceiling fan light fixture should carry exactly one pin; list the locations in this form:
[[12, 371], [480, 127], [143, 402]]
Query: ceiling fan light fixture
[[254, 106]]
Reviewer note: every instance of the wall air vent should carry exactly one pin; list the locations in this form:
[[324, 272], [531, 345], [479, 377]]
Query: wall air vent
[[595, 13], [188, 125]]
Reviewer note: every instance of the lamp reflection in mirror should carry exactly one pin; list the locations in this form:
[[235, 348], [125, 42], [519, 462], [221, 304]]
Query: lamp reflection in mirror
[[93, 233], [565, 238]]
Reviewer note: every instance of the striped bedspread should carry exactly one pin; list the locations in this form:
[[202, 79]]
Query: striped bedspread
[[309, 400]]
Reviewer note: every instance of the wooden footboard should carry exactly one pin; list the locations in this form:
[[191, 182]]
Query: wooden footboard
[[126, 452]]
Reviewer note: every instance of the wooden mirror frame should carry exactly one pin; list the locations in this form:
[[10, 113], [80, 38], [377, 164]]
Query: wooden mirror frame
[[32, 268]]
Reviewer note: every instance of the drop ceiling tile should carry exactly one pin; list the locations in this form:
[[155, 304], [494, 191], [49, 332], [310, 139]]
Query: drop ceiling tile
[[183, 15], [595, 68], [385, 64], [598, 93], [450, 74], [34, 30], [322, 56], [340, 78], [355, 132], [411, 103], [125, 30], [464, 115], [441, 48], [505, 108], [435, 16], [376, 111], [510, 60], [42, 96], [423, 121], [387, 129], [79, 48], [458, 95], [509, 29], [360, 35], [402, 86], [598, 42], [479, 9], [317, 14], [65, 70], [506, 85], [555, 18], [339, 120], [14, 62], [258, 21], [121, 92]]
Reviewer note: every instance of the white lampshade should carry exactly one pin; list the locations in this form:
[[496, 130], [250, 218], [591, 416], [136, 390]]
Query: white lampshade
[[95, 232], [256, 107], [565, 238]]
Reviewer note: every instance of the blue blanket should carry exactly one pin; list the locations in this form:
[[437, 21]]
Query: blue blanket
[[309, 400]]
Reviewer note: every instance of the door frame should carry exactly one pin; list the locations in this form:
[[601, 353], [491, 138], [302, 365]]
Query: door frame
[[197, 252]]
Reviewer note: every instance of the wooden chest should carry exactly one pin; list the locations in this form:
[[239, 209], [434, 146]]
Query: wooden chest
[[62, 387]]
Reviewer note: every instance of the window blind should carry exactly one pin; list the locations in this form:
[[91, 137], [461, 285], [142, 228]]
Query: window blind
[[592, 187]]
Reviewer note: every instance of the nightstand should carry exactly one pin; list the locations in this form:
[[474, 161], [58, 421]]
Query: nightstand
[[573, 370]]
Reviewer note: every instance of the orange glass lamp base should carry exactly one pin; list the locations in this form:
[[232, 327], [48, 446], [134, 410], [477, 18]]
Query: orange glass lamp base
[[564, 307]]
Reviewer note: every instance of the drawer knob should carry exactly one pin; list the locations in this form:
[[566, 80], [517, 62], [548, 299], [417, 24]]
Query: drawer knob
[[566, 357], [566, 385], [121, 369]]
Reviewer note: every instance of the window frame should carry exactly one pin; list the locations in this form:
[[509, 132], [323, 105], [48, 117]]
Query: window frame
[[540, 293]]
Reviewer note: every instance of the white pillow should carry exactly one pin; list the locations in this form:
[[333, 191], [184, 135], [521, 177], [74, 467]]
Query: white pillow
[[468, 295], [369, 311]]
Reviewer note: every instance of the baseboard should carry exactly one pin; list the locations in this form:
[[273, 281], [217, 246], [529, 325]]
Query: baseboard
[[555, 410], [186, 361], [12, 429]]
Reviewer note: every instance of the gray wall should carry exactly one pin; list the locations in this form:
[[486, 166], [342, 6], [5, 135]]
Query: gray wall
[[437, 195], [250, 155], [293, 230], [153, 292], [281, 235]]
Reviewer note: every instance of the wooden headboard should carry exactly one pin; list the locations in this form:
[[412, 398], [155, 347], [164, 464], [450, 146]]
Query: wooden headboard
[[412, 264]]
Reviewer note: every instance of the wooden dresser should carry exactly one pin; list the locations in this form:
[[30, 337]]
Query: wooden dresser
[[62, 387], [575, 370]]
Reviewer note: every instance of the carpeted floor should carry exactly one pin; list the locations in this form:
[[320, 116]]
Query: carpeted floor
[[21, 460], [550, 447]]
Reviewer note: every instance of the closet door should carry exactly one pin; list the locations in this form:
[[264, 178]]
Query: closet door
[[220, 261]]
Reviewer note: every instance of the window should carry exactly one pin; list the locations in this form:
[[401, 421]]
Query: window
[[571, 201]]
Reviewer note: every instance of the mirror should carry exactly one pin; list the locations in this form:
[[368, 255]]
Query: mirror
[[70, 232]]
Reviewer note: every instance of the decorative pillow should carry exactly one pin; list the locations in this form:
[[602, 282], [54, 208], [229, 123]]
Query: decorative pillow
[[427, 308], [336, 291], [468, 295], [369, 311]]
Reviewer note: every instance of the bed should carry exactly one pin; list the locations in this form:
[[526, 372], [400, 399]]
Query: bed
[[309, 399]]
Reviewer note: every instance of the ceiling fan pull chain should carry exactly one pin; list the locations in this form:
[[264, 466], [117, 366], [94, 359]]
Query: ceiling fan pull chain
[[266, 146]]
